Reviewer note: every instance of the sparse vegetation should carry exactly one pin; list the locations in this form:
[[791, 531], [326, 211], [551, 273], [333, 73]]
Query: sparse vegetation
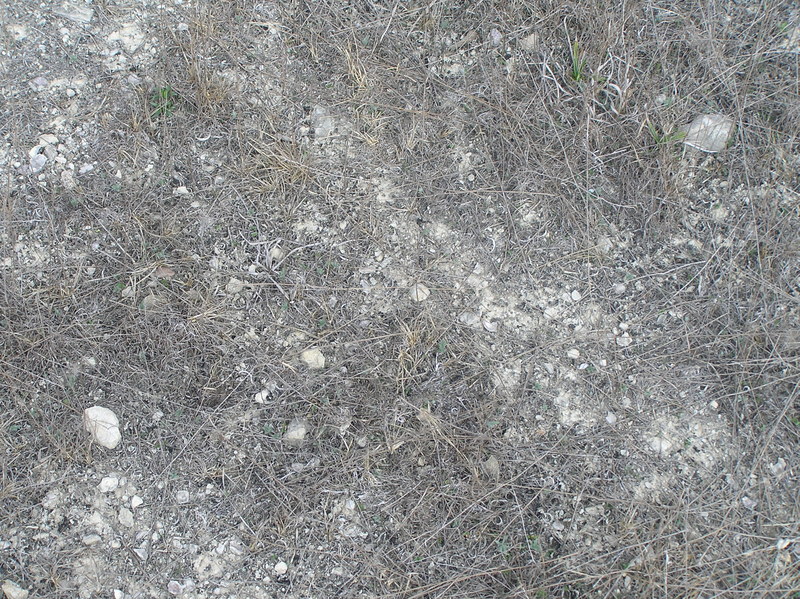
[[596, 395]]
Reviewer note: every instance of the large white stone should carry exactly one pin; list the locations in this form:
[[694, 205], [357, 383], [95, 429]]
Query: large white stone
[[709, 132], [103, 425], [313, 359]]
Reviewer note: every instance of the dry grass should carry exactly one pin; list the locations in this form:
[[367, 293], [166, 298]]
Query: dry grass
[[465, 483]]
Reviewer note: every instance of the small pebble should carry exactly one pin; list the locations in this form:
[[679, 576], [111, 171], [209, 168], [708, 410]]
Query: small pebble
[[234, 286], [296, 432], [126, 517], [182, 496], [136, 501], [281, 568], [573, 354], [108, 484], [419, 292]]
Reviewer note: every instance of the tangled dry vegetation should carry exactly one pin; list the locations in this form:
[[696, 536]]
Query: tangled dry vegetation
[[594, 394]]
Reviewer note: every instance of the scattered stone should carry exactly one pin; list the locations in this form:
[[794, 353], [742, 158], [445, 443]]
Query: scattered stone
[[142, 552], [38, 84], [322, 122], [313, 359], [37, 162], [103, 425], [281, 568], [234, 286], [469, 319], [136, 501], [126, 517], [108, 484], [13, 591], [91, 539], [491, 467], [338, 571], [611, 418], [296, 432], [129, 36], [624, 340], [489, 325], [176, 588], [17, 31], [75, 12], [495, 37], [660, 444], [183, 496], [419, 292], [150, 302], [530, 43], [709, 132], [778, 467], [748, 503], [619, 289], [573, 354], [576, 295]]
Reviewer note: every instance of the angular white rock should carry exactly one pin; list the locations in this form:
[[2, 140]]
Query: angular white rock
[[13, 591], [125, 517], [234, 286], [296, 432], [709, 132], [419, 292], [103, 425], [573, 354], [313, 359], [108, 484]]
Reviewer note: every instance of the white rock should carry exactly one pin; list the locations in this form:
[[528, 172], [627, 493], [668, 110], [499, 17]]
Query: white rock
[[37, 162], [624, 340], [108, 484], [660, 444], [748, 503], [281, 568], [576, 295], [611, 418], [75, 12], [469, 319], [491, 467], [709, 132], [150, 302], [323, 123], [296, 432], [419, 292], [13, 591], [136, 501], [182, 496], [126, 517], [573, 354], [103, 425], [91, 539], [619, 288], [489, 325], [313, 359], [234, 286], [529, 43]]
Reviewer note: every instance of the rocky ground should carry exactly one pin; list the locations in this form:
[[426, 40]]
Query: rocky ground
[[399, 299]]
